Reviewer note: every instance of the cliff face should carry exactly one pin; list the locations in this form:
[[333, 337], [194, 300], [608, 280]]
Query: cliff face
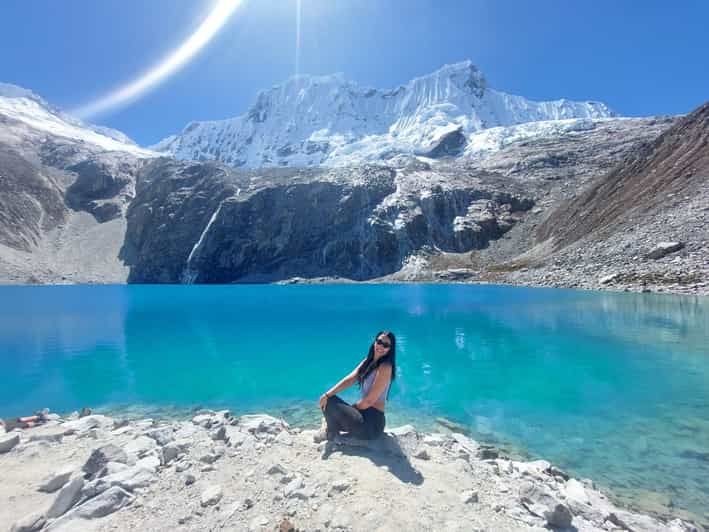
[[205, 223]]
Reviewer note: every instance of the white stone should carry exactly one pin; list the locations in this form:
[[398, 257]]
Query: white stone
[[469, 497], [576, 491], [150, 462], [261, 423], [85, 424], [8, 442], [30, 523], [211, 495], [67, 497], [140, 446], [105, 503], [57, 479]]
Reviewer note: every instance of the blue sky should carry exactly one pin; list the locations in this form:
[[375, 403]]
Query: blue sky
[[641, 58]]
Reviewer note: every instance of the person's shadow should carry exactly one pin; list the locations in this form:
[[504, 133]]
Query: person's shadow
[[383, 451]]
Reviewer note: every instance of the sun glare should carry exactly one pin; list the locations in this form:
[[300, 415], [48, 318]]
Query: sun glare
[[175, 60]]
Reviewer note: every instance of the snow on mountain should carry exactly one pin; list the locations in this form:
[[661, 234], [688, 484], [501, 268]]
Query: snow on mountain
[[25, 106], [327, 120]]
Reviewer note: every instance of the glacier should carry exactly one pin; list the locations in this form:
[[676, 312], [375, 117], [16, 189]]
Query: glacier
[[330, 121]]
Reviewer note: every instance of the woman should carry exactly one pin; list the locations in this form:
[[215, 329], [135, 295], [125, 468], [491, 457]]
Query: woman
[[365, 419]]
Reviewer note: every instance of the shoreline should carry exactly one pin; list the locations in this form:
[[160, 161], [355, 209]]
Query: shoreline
[[255, 472], [692, 291]]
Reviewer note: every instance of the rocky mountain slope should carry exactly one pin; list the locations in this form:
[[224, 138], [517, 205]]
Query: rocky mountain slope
[[64, 187], [644, 223], [96, 208], [329, 121]]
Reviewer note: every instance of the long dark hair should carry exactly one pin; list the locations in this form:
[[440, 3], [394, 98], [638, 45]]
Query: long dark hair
[[370, 364]]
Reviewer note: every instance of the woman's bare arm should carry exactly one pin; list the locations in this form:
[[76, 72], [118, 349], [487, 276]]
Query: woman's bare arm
[[380, 383], [346, 382]]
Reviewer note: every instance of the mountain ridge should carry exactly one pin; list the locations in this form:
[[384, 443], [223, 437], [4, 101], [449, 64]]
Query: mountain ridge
[[330, 121]]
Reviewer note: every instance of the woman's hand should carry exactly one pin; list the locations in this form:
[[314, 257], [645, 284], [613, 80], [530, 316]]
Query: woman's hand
[[323, 401]]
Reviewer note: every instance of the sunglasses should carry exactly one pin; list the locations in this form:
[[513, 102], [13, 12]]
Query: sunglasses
[[383, 344]]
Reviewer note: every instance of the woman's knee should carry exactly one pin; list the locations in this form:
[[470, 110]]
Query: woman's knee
[[332, 402]]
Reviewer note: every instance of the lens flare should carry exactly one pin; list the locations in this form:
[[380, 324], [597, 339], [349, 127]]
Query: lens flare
[[175, 60]]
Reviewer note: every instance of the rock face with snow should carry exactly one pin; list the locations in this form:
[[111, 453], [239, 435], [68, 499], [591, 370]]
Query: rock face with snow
[[206, 223], [327, 120]]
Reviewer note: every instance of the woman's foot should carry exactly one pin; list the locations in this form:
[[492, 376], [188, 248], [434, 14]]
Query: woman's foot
[[322, 434]]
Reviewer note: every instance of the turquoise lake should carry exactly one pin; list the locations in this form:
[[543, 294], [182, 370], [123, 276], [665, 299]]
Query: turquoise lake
[[610, 386]]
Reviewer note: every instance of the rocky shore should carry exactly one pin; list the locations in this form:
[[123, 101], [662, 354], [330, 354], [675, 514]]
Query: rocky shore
[[255, 472]]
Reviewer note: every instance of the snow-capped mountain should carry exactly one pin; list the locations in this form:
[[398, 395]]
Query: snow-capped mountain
[[327, 120], [30, 109]]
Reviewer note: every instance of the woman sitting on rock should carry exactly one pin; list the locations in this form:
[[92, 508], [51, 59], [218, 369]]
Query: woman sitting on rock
[[364, 419]]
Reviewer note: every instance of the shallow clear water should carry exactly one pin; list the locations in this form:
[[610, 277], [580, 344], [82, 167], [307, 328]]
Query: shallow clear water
[[614, 387]]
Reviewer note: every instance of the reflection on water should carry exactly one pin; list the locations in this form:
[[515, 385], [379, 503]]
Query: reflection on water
[[610, 386]]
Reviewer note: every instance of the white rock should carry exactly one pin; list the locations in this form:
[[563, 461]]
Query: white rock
[[469, 497], [284, 438], [434, 440], [234, 436], [258, 522], [664, 248], [292, 486], [161, 435], [51, 436], [67, 497], [211, 495], [573, 489], [150, 462], [261, 423], [129, 479], [85, 424], [606, 279], [182, 466], [276, 469], [422, 454], [203, 420], [102, 456], [57, 479], [8, 442], [105, 503], [140, 446], [339, 486], [170, 452], [144, 424], [31, 523], [404, 430], [534, 468]]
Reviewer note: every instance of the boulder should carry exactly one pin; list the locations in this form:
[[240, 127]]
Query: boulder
[[31, 523], [150, 462], [67, 497], [161, 435], [664, 248], [128, 479], [8, 442], [102, 456], [53, 435], [170, 452], [83, 425], [236, 437], [105, 503], [211, 495], [140, 446], [541, 502], [57, 479], [469, 497], [261, 423]]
